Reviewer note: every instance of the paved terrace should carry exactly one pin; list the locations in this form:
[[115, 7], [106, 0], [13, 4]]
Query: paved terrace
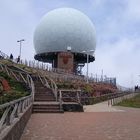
[[114, 123]]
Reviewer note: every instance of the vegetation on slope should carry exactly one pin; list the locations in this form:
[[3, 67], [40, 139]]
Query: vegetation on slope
[[17, 90], [133, 102], [94, 89]]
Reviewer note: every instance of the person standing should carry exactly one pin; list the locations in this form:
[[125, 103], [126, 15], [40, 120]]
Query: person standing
[[11, 56]]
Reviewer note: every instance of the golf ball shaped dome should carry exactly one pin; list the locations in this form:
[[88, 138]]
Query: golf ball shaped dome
[[64, 28]]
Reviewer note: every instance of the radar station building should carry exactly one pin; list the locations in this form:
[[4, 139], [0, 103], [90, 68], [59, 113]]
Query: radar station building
[[65, 37]]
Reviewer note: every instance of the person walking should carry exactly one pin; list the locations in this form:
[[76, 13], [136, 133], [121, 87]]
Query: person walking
[[18, 59]]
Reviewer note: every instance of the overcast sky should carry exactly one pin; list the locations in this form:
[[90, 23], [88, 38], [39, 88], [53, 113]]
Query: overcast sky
[[117, 24]]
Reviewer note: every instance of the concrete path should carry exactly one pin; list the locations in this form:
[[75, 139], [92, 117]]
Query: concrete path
[[102, 124], [101, 107]]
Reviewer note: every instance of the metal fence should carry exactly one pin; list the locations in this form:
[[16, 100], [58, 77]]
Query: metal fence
[[65, 75], [116, 98]]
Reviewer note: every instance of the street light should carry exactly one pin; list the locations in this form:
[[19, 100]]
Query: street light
[[20, 42], [139, 77], [68, 48], [87, 53]]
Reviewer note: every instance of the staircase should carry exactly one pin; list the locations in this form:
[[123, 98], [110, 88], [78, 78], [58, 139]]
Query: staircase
[[44, 100]]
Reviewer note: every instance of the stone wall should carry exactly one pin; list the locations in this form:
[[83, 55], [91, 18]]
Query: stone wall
[[15, 130]]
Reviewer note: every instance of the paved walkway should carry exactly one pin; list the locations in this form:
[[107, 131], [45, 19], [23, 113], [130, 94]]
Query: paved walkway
[[102, 107], [110, 124]]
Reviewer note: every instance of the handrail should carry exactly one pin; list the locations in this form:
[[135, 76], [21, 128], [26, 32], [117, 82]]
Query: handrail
[[60, 99], [13, 102], [24, 77], [41, 79], [67, 93], [64, 74], [44, 78], [54, 88], [13, 109], [3, 55], [118, 98]]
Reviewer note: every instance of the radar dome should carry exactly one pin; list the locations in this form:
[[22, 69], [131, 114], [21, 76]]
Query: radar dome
[[64, 28]]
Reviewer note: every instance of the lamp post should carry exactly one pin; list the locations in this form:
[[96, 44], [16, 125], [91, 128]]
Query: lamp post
[[139, 77], [20, 43], [87, 53]]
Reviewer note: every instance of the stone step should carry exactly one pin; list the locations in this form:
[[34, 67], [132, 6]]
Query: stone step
[[49, 104], [68, 100], [47, 111], [43, 100], [38, 84], [42, 90], [42, 93], [46, 108], [45, 97], [41, 86]]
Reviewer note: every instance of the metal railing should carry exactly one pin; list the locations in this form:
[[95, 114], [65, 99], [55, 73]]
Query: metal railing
[[116, 98], [3, 55], [44, 78], [86, 99], [56, 73], [19, 76], [48, 82], [12, 110], [69, 96]]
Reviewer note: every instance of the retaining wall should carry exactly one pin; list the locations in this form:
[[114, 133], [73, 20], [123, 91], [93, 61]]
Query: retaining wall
[[15, 130]]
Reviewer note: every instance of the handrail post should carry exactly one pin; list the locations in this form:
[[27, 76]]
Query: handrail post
[[78, 98], [60, 99]]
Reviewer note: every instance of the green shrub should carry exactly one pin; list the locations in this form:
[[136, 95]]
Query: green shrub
[[11, 95], [18, 90], [87, 88]]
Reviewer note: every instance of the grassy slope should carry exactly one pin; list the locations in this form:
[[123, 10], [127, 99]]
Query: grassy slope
[[134, 102], [18, 90]]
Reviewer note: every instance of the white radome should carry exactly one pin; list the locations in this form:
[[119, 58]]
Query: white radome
[[62, 28]]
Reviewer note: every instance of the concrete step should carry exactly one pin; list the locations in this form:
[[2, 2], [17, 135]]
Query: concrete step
[[42, 90], [68, 100], [38, 84], [44, 93], [46, 108], [47, 111], [43, 100], [45, 97]]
